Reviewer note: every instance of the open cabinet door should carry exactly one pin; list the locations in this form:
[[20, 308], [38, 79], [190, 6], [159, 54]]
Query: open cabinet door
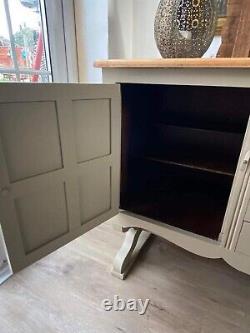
[[59, 164]]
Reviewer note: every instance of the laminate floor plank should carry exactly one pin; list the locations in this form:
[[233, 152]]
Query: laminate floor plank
[[62, 293]]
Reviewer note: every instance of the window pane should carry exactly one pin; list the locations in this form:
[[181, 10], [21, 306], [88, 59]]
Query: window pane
[[7, 77], [28, 33], [35, 78], [5, 49]]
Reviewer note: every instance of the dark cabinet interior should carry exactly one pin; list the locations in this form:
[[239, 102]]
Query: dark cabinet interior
[[180, 149]]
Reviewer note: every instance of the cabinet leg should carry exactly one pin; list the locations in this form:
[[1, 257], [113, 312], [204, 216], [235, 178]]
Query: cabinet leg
[[133, 243]]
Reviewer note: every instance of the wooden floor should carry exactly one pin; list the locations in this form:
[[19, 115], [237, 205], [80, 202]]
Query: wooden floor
[[63, 292]]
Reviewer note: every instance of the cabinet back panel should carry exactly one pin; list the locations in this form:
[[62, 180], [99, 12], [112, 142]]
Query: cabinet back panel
[[216, 108], [191, 200], [180, 148]]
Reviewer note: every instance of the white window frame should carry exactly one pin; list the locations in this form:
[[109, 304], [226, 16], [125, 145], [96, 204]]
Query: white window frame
[[58, 21], [61, 27]]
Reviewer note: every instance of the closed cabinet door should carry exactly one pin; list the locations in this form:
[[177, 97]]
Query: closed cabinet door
[[59, 164], [236, 229]]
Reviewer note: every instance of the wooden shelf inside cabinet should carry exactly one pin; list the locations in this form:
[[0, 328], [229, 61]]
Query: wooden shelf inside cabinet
[[206, 150], [198, 165]]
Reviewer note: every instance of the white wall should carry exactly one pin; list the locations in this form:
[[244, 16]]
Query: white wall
[[113, 29], [143, 33], [92, 37], [131, 28], [120, 20]]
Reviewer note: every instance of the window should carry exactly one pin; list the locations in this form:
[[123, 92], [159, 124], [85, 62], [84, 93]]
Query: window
[[24, 52], [38, 41]]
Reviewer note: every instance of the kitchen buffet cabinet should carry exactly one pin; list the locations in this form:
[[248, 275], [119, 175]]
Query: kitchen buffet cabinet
[[160, 154]]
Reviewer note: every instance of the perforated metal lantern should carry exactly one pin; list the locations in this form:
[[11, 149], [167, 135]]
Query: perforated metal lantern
[[185, 28]]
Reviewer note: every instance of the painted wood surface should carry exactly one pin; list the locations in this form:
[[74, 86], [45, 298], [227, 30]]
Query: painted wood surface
[[243, 241], [214, 77], [136, 71], [135, 239], [60, 164]]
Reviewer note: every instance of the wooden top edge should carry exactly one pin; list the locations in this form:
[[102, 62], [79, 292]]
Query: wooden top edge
[[175, 63]]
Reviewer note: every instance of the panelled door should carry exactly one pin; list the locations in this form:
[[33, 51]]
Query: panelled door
[[59, 164], [239, 198]]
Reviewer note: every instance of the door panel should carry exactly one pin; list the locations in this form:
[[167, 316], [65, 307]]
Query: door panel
[[239, 197], [41, 143], [49, 205], [60, 164], [96, 118], [241, 240], [95, 189], [247, 215], [243, 245]]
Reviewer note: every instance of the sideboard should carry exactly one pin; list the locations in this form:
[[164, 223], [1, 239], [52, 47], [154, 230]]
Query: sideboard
[[185, 156], [162, 147]]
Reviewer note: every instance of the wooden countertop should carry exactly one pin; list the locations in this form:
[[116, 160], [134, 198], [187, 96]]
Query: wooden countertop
[[175, 63]]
